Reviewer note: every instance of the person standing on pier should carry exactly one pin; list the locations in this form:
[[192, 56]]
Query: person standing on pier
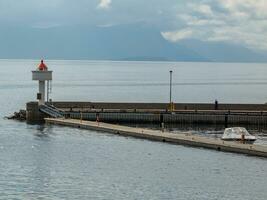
[[216, 105]]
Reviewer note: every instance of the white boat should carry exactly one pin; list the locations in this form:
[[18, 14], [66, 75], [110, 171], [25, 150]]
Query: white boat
[[238, 134]]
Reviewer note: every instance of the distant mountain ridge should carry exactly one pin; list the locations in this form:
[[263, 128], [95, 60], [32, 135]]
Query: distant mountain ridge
[[122, 42]]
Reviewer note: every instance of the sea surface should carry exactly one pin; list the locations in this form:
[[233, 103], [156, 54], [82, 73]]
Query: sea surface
[[53, 162]]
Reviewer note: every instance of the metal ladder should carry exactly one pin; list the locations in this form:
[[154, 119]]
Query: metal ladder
[[49, 90]]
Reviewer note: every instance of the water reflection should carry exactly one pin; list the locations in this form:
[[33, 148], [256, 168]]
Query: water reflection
[[41, 159], [40, 162]]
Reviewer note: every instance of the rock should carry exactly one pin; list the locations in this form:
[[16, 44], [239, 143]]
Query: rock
[[21, 115]]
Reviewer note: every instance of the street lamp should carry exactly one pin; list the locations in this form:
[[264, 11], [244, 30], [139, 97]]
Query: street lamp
[[170, 87]]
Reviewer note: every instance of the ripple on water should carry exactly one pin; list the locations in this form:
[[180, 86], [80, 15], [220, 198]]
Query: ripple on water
[[40, 162]]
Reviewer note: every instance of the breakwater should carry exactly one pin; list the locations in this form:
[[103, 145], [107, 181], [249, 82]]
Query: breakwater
[[157, 106], [226, 114], [156, 135]]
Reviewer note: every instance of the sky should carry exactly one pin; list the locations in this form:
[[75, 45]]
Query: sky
[[237, 21]]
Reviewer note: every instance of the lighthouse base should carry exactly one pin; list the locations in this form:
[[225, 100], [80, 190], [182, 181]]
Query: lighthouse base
[[33, 115]]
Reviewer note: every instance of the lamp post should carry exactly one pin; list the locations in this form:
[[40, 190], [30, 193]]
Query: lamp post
[[170, 87]]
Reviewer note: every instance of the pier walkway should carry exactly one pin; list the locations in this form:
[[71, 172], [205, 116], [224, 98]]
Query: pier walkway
[[175, 138]]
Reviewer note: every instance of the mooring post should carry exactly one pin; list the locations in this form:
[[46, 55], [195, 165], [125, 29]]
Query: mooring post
[[162, 127], [243, 138], [97, 118], [81, 116]]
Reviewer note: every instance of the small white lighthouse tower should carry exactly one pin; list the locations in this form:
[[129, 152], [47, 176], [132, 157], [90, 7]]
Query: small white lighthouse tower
[[42, 75]]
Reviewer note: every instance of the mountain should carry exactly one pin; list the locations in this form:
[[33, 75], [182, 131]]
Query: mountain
[[121, 42], [224, 52]]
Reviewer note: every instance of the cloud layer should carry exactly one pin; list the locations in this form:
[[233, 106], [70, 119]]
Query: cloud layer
[[236, 21]]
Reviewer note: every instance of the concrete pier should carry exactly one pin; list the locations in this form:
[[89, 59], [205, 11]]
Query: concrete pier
[[226, 114], [33, 115], [158, 106], [181, 138]]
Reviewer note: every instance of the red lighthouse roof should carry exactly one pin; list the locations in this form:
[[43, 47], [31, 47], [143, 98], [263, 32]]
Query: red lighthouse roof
[[42, 66]]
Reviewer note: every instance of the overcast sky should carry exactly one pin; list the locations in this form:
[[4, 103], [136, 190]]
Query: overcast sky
[[238, 21]]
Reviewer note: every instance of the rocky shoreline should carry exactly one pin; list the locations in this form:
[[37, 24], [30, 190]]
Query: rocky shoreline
[[21, 116]]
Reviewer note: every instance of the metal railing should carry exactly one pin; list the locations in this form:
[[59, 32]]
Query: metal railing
[[51, 111]]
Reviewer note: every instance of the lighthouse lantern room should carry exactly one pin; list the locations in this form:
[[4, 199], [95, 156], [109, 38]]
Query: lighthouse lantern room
[[42, 75]]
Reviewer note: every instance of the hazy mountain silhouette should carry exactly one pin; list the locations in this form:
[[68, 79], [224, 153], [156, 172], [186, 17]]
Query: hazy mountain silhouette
[[224, 52], [122, 42]]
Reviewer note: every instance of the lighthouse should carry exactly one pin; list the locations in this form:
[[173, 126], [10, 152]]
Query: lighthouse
[[42, 75]]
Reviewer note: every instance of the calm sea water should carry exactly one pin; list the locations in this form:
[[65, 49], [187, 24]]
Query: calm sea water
[[44, 162]]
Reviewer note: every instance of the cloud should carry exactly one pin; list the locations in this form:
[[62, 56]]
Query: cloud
[[204, 9], [236, 21], [104, 4]]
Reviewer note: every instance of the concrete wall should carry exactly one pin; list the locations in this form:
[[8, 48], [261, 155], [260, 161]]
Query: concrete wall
[[33, 115], [176, 118], [178, 106], [192, 117]]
